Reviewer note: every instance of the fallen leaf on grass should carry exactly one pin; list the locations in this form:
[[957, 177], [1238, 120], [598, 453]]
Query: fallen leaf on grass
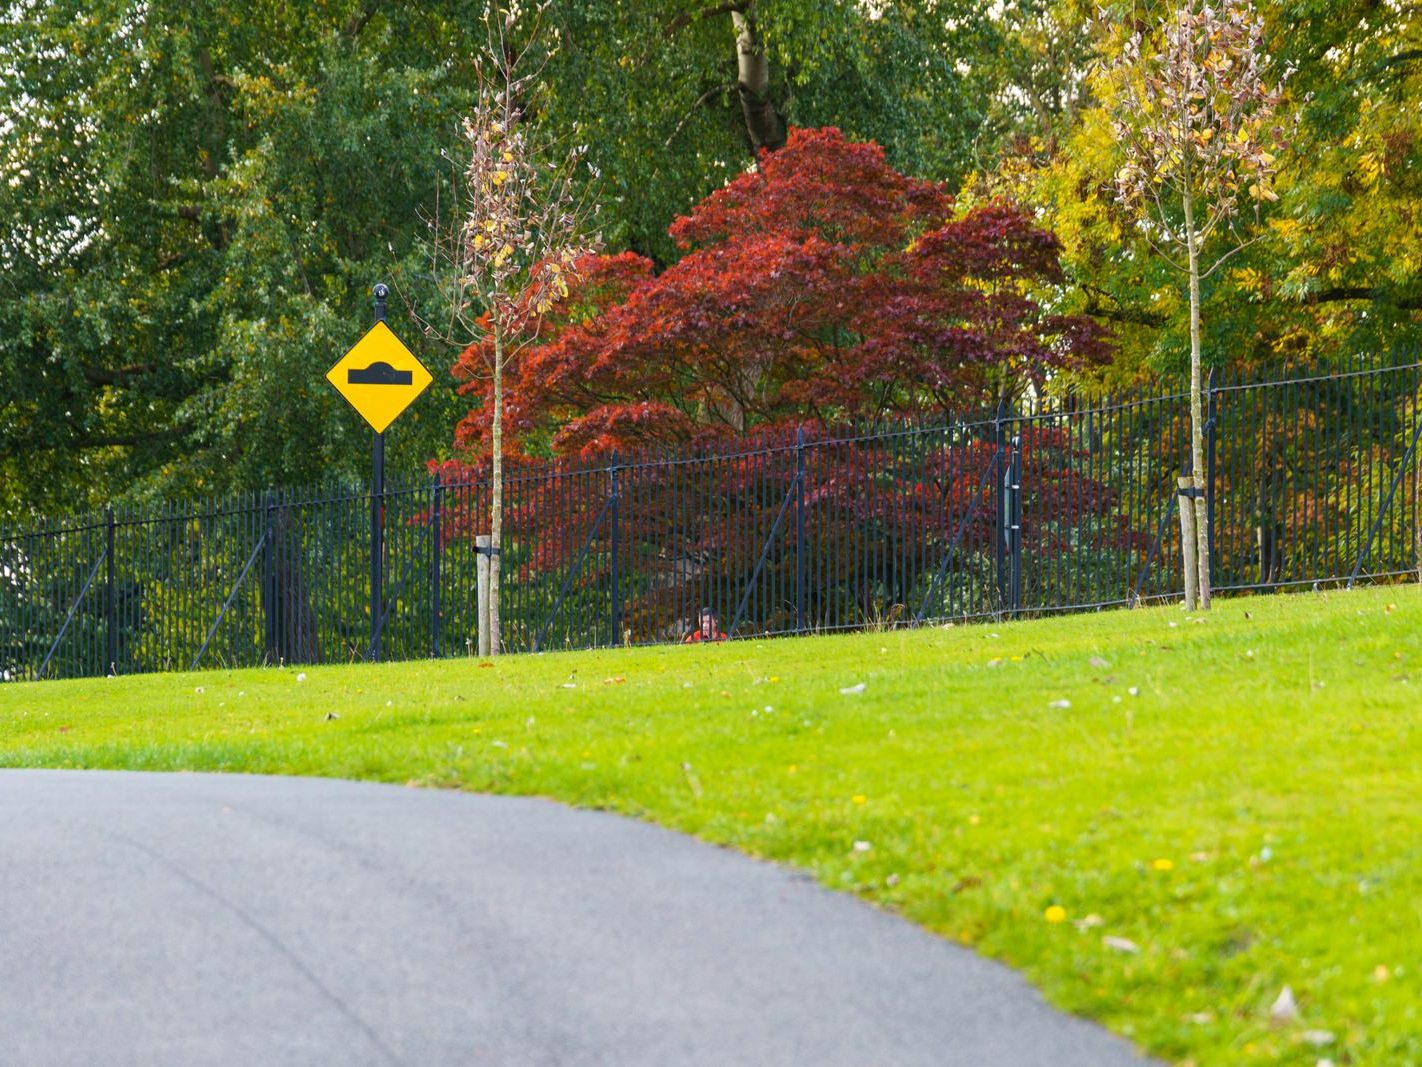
[[691, 779], [1120, 944], [618, 680]]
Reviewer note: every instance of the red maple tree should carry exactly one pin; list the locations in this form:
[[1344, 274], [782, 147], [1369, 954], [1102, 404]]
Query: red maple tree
[[824, 289]]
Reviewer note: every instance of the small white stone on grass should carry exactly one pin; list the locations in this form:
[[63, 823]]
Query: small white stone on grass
[[1120, 944], [862, 846], [1284, 1009], [1060, 704], [301, 677], [1318, 1038], [850, 690]]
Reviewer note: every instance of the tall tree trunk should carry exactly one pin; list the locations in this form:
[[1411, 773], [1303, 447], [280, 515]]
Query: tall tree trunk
[[496, 508], [764, 123], [1197, 421]]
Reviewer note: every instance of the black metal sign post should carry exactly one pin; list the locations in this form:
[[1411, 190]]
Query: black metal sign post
[[377, 517], [380, 378]]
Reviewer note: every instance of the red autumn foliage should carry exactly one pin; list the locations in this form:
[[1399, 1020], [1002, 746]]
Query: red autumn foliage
[[824, 287], [820, 290]]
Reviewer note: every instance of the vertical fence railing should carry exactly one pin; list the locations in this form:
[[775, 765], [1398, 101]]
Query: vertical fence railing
[[1313, 480]]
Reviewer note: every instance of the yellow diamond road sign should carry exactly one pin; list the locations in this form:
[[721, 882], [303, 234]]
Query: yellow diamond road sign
[[379, 376]]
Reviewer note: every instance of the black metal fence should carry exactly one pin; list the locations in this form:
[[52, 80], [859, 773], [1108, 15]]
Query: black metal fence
[[1313, 480]]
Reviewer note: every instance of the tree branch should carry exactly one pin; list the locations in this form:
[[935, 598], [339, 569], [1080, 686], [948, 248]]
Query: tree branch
[[358, 20], [701, 101], [1135, 316], [117, 375], [1361, 292], [686, 18]]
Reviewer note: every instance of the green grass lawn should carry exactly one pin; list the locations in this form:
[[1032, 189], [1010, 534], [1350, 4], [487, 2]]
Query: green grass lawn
[[1162, 820]]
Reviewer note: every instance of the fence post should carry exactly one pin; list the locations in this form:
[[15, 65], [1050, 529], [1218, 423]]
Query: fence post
[[999, 504], [614, 499], [1015, 524], [1212, 410], [377, 545], [800, 530], [110, 600], [437, 552], [269, 578]]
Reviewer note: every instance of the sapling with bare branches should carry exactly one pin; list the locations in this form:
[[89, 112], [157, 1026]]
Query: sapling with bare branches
[[1196, 117], [522, 222]]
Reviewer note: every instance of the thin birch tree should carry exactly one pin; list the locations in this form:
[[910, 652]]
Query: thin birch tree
[[1196, 118], [523, 221]]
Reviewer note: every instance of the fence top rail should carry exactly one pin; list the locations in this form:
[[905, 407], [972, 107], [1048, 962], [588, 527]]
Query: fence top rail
[[1315, 378]]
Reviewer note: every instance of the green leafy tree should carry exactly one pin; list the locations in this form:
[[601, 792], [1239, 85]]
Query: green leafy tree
[[674, 100], [198, 199]]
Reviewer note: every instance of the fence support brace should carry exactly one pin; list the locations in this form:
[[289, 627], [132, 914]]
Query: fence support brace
[[70, 616], [261, 544], [572, 573], [764, 554], [957, 537], [1387, 504]]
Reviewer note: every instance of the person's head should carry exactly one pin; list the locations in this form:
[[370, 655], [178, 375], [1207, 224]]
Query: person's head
[[709, 623]]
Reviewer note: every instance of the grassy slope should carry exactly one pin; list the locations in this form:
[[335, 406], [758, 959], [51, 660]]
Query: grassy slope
[[1267, 836]]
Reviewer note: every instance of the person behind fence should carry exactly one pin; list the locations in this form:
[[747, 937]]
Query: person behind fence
[[709, 629]]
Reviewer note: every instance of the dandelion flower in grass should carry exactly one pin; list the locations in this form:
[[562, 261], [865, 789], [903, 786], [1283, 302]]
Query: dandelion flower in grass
[[859, 798], [1055, 914], [1163, 865]]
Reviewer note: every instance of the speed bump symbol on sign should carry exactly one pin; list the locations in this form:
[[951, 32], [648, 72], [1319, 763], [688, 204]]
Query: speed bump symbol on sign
[[380, 377]]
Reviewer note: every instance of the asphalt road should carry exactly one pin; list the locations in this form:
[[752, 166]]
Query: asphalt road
[[204, 919]]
